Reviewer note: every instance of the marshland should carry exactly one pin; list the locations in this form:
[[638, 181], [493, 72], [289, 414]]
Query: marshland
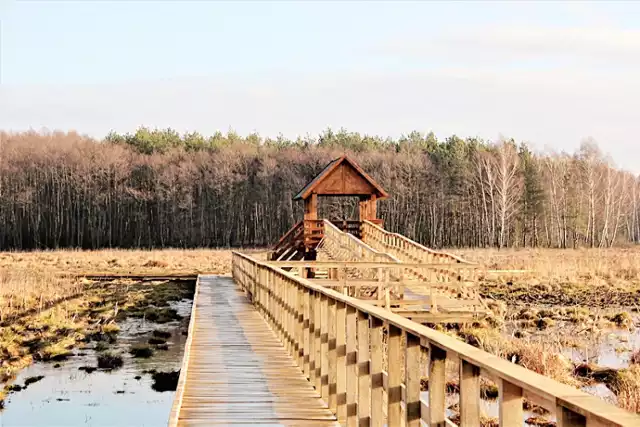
[[569, 226], [75, 349], [96, 345]]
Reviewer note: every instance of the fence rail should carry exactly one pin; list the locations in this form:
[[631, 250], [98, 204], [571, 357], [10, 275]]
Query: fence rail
[[347, 247], [385, 277], [407, 251], [404, 248], [339, 344]]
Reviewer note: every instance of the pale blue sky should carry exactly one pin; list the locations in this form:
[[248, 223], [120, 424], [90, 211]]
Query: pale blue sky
[[550, 73]]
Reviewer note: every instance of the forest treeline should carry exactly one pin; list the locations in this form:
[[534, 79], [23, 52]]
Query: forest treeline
[[158, 188]]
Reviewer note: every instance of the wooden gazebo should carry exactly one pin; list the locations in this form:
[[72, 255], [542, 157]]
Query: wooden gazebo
[[341, 177]]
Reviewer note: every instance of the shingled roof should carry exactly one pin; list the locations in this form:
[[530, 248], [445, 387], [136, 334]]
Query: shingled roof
[[333, 165]]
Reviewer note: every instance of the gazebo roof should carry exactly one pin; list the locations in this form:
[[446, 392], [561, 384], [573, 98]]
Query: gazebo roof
[[342, 177]]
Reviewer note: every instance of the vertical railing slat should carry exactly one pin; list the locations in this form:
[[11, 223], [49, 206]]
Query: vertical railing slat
[[377, 391], [324, 348], [511, 414], [333, 358], [414, 367], [469, 394], [394, 379], [568, 418], [352, 368], [312, 338], [341, 362], [364, 377], [306, 333], [437, 384]]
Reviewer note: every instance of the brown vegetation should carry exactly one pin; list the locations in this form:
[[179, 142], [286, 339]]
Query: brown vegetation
[[32, 281], [581, 278], [51, 334]]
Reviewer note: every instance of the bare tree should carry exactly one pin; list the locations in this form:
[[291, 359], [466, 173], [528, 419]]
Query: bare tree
[[508, 186]]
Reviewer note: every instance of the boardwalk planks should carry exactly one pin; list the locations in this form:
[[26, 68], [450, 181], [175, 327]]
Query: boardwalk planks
[[238, 371]]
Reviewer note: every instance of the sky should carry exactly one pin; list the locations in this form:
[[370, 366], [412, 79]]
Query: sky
[[548, 73]]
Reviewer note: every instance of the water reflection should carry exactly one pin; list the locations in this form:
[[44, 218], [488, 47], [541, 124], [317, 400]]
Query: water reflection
[[68, 396]]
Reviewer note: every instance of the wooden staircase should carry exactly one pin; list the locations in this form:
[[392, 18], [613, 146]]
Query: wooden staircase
[[290, 247]]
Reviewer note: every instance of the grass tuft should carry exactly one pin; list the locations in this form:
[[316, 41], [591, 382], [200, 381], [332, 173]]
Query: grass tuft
[[109, 360], [157, 341], [158, 333], [165, 381], [141, 351]]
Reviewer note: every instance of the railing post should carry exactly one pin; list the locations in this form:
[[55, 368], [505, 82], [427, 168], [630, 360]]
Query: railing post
[[437, 383], [511, 414], [293, 319], [377, 390], [333, 357], [567, 418], [341, 362], [352, 368], [317, 337], [414, 367], [300, 328], [286, 296], [286, 314], [324, 348], [394, 379], [275, 308], [307, 340], [469, 394], [364, 377]]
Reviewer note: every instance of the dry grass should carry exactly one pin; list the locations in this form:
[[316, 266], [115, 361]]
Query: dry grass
[[23, 289], [120, 261], [627, 390], [567, 295], [541, 357], [581, 277], [35, 280], [618, 266]]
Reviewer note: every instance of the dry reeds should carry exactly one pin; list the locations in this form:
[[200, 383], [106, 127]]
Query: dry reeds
[[33, 281], [25, 289]]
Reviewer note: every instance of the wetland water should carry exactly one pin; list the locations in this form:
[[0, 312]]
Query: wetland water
[[68, 396]]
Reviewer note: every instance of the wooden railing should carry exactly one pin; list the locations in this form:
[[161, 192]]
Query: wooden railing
[[350, 248], [406, 250], [290, 239], [349, 226], [313, 232], [432, 280], [404, 247], [449, 280], [338, 343], [374, 282], [184, 365]]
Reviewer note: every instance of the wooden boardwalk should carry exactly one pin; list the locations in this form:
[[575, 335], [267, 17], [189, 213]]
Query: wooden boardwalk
[[236, 371]]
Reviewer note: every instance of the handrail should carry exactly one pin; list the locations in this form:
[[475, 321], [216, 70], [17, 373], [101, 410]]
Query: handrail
[[398, 241], [407, 250], [337, 342], [354, 245], [286, 236]]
